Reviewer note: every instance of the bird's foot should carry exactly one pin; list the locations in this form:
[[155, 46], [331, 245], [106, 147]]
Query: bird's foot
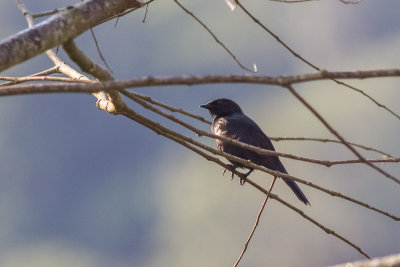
[[244, 177], [230, 168]]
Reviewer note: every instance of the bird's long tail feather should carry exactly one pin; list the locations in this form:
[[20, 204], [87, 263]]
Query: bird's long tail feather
[[296, 189]]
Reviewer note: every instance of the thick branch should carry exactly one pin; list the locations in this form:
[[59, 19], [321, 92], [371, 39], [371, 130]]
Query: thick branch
[[388, 261], [59, 64], [115, 103], [58, 29]]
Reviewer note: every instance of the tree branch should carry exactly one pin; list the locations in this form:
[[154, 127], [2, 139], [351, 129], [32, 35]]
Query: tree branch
[[341, 138], [215, 37], [245, 162], [58, 29], [159, 129], [207, 79], [115, 103], [256, 223], [388, 261], [59, 64], [326, 140], [297, 55]]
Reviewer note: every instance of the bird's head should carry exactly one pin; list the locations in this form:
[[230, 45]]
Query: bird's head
[[222, 107]]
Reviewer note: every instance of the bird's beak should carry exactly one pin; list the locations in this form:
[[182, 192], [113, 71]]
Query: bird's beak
[[206, 106]]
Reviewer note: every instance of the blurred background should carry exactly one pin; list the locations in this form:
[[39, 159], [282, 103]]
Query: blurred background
[[80, 187]]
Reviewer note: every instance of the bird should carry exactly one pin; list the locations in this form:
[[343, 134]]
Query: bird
[[230, 121]]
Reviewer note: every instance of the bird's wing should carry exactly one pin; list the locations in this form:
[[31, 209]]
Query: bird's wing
[[244, 129]]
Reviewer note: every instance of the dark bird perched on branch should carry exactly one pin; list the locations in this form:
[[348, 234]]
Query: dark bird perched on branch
[[230, 121]]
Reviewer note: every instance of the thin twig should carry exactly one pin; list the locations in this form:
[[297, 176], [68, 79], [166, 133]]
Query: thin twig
[[172, 109], [350, 2], [258, 150], [145, 14], [214, 36], [49, 71], [294, 53], [159, 129], [47, 13], [327, 140], [292, 1], [61, 65], [248, 163], [256, 223], [305, 216], [277, 139], [334, 132], [99, 51], [83, 88], [117, 17], [16, 80]]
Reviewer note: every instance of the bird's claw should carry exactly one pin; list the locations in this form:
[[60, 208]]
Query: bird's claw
[[230, 168], [244, 177]]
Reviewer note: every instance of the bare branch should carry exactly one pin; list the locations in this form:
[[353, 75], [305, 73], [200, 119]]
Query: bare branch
[[48, 13], [350, 2], [334, 132], [216, 79], [59, 64], [49, 71], [292, 1], [59, 29], [305, 216], [145, 14], [85, 63], [159, 129], [16, 80], [258, 150], [171, 108], [388, 261], [294, 53], [41, 73], [276, 139], [256, 223], [214, 36], [99, 50], [326, 140], [115, 103], [245, 162]]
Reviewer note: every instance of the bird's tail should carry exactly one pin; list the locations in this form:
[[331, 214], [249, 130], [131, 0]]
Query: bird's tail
[[296, 189]]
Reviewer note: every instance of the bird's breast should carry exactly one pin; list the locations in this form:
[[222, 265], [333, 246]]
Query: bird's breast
[[219, 127]]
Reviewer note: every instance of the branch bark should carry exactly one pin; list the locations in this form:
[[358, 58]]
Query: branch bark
[[56, 30], [388, 261], [197, 80]]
